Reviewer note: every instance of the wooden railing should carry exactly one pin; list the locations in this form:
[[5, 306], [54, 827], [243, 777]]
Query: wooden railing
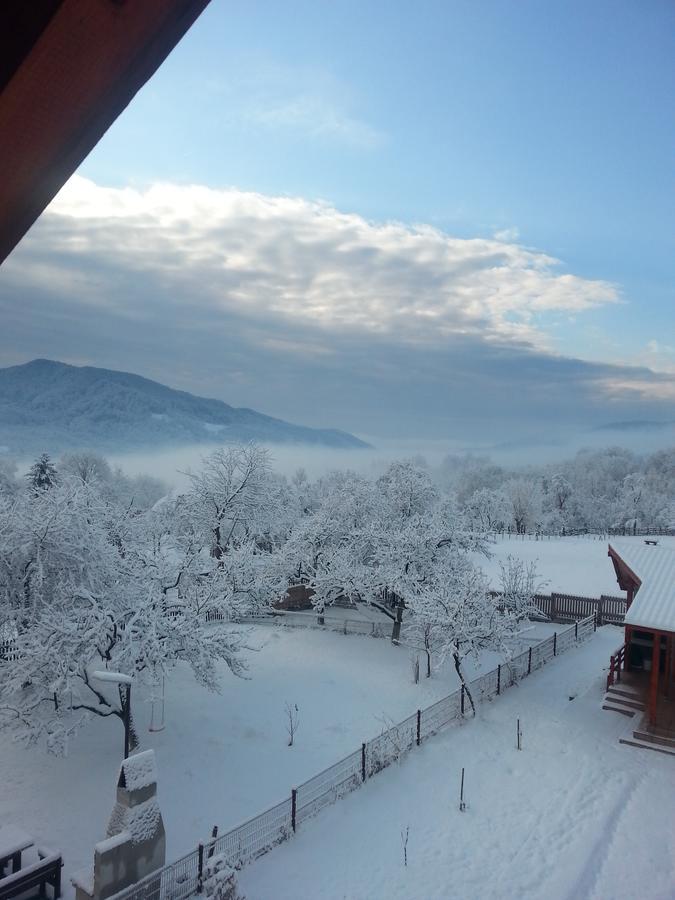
[[616, 663]]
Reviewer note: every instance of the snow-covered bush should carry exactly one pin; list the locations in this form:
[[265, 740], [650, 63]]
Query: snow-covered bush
[[220, 880]]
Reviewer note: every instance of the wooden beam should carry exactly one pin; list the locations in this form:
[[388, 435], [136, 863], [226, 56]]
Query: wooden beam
[[85, 66], [626, 579], [654, 681]]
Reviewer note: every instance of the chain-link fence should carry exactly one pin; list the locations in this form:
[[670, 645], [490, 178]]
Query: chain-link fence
[[255, 837]]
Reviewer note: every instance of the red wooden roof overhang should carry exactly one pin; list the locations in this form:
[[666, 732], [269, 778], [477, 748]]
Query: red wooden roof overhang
[[67, 70], [627, 579]]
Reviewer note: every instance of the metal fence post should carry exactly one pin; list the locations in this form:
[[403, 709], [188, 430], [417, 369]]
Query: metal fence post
[[555, 643], [499, 678], [200, 867], [462, 699], [576, 630], [363, 762], [529, 661], [294, 801], [419, 726]]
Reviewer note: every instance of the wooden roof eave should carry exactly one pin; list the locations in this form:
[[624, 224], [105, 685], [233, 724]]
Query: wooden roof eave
[[69, 69], [627, 579]]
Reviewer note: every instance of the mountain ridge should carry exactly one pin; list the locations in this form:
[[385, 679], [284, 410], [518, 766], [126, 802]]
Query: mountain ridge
[[46, 404]]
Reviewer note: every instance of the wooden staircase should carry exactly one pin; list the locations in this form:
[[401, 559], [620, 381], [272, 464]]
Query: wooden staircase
[[624, 698], [652, 738], [627, 697]]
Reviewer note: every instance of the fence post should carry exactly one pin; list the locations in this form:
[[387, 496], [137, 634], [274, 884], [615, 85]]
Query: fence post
[[462, 699], [419, 726], [555, 643], [294, 802], [576, 630], [554, 606], [200, 867], [600, 611], [499, 678], [595, 620], [363, 762], [396, 628], [529, 661]]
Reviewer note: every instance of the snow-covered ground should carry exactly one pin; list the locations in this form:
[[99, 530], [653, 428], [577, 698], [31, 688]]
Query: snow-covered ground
[[576, 565], [223, 757], [573, 816]]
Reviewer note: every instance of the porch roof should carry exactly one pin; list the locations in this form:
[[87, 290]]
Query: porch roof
[[653, 605]]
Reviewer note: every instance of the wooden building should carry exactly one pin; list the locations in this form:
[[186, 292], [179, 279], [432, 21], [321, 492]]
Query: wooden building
[[646, 571]]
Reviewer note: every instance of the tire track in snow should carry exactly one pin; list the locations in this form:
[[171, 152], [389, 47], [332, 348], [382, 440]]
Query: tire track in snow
[[601, 848], [568, 822]]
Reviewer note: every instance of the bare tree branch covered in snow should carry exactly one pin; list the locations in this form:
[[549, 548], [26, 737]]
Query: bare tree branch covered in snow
[[292, 721]]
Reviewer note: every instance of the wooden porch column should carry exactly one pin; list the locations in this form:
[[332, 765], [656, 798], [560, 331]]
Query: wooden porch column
[[654, 682], [626, 655]]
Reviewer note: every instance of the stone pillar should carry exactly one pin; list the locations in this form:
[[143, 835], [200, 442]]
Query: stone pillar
[[135, 845]]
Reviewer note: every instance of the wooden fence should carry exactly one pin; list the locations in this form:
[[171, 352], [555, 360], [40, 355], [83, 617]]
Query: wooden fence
[[572, 607]]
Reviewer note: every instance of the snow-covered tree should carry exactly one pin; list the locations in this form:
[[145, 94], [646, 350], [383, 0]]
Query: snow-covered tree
[[524, 499], [519, 583], [487, 510], [230, 498], [8, 482], [453, 613], [42, 474], [84, 586]]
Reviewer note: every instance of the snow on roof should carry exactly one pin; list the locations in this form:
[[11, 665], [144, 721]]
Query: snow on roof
[[138, 771], [654, 603]]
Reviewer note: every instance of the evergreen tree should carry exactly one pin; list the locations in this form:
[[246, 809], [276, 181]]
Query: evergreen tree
[[42, 474]]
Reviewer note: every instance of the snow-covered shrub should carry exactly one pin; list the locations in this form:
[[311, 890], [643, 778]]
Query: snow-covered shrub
[[220, 880]]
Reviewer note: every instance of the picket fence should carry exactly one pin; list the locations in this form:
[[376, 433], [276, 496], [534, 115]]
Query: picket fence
[[246, 842]]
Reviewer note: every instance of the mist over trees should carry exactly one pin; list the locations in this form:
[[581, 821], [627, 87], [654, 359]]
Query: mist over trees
[[597, 490]]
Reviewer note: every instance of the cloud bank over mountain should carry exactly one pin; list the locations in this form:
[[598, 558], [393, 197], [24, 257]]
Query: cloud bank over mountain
[[312, 314]]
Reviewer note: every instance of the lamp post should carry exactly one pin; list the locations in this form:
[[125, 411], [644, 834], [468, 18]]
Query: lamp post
[[120, 679]]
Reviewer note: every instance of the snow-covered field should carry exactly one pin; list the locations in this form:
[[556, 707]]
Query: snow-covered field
[[576, 565], [573, 816], [223, 757], [556, 815]]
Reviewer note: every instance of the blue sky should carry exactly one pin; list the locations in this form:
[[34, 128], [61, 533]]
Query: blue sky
[[547, 126]]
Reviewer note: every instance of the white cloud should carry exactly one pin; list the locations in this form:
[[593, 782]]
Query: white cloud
[[507, 234], [307, 262]]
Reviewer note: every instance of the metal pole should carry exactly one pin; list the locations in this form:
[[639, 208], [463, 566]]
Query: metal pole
[[419, 727], [294, 799], [200, 870], [462, 804], [529, 661], [363, 762]]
